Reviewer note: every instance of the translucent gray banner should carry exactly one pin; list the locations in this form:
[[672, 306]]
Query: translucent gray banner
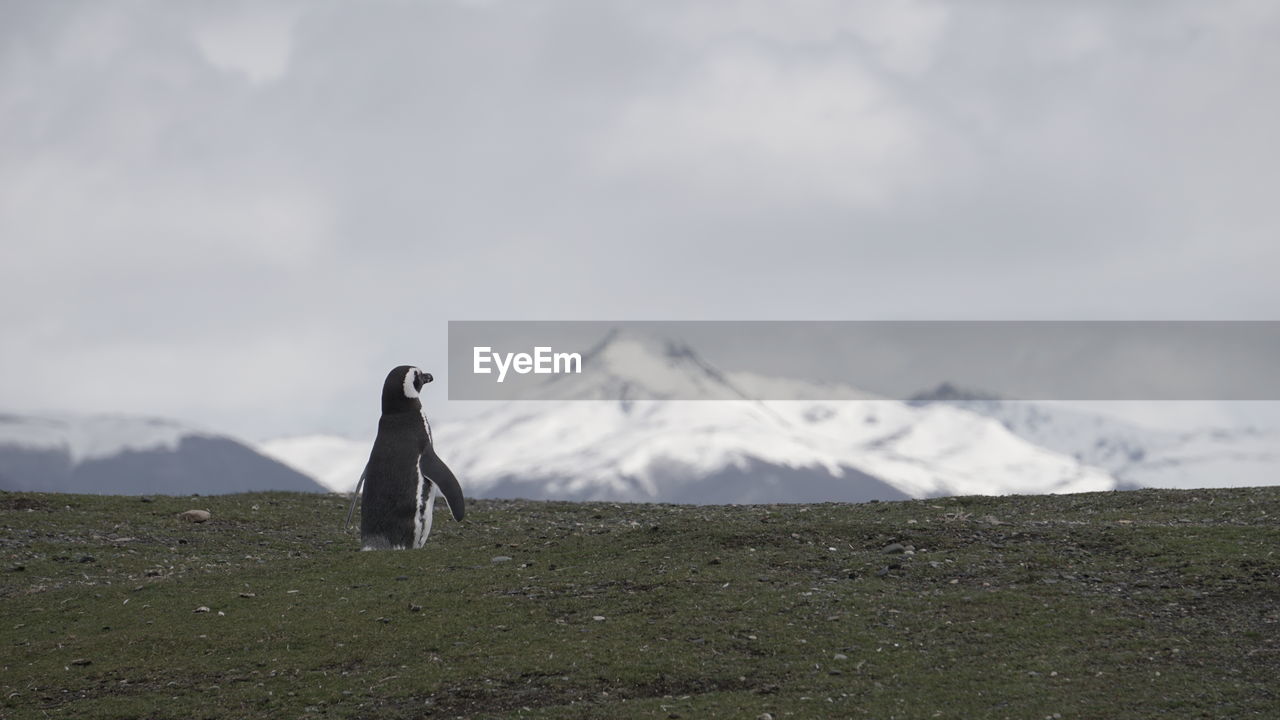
[[773, 360]]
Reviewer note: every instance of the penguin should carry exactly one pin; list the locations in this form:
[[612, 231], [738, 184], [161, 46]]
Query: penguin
[[403, 477]]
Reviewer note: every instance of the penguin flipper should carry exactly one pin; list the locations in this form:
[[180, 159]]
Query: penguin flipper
[[354, 497], [438, 473]]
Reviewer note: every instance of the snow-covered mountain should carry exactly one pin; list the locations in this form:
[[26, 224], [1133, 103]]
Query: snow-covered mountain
[[1136, 456], [112, 454], [604, 444]]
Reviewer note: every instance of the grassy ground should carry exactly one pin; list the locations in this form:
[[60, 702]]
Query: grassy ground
[[1137, 604]]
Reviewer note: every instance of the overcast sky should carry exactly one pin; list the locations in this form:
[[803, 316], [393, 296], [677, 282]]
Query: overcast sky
[[243, 214]]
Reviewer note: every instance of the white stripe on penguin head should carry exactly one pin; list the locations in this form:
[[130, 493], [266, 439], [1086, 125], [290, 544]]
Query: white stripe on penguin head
[[410, 383]]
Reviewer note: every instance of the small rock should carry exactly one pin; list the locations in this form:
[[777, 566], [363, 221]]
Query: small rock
[[714, 561], [18, 568], [415, 608], [88, 559], [248, 595], [195, 516], [144, 498], [597, 618], [500, 559], [894, 548], [82, 662], [764, 716], [201, 609], [402, 578], [840, 656]]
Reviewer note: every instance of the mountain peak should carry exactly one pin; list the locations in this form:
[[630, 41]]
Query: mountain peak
[[630, 365], [948, 393]]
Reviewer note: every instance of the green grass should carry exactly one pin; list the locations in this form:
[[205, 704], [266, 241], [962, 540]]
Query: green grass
[[1109, 605]]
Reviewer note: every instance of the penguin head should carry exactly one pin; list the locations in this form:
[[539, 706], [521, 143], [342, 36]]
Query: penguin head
[[401, 388]]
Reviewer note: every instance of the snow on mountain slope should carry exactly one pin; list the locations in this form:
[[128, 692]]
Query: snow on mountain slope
[[132, 455], [1210, 458], [1134, 455], [605, 444], [92, 436], [623, 450]]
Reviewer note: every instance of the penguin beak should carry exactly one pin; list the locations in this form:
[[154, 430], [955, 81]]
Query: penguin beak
[[426, 378]]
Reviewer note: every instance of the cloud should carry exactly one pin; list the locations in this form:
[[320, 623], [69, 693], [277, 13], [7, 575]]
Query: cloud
[[255, 39], [266, 191], [744, 128], [901, 37], [802, 103]]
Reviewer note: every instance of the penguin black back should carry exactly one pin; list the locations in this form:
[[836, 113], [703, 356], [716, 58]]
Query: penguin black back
[[404, 475]]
